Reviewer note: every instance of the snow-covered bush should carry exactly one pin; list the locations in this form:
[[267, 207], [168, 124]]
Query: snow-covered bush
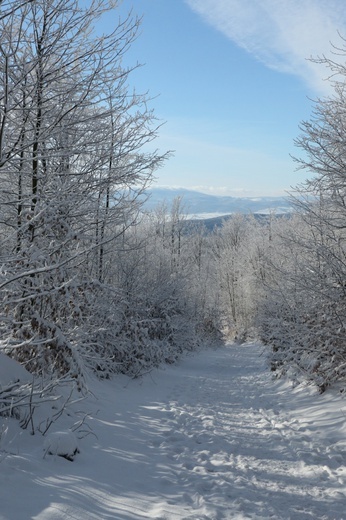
[[36, 403], [303, 315]]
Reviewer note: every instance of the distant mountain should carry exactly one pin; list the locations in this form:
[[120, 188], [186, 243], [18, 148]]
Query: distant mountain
[[201, 204]]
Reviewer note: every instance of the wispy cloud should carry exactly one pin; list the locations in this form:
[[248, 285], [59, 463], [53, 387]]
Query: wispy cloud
[[282, 34]]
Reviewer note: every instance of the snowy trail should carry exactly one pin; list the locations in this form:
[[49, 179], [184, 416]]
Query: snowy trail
[[211, 438]]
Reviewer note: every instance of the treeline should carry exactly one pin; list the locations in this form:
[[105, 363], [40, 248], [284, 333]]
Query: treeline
[[291, 275], [308, 298], [86, 282], [298, 279]]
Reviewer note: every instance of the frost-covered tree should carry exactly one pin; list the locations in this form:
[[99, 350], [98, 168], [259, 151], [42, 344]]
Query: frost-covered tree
[[72, 165], [238, 249], [310, 314]]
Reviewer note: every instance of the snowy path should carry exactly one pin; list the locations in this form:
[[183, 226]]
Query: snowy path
[[211, 438]]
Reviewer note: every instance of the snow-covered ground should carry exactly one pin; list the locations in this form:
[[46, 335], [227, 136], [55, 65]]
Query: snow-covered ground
[[213, 437]]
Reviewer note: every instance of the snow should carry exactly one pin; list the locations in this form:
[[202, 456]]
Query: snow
[[213, 437], [64, 444], [12, 372]]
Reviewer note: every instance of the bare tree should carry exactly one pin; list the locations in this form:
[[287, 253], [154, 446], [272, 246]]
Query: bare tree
[[73, 164], [307, 298]]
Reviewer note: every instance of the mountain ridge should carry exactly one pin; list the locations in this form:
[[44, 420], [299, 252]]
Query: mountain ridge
[[196, 203]]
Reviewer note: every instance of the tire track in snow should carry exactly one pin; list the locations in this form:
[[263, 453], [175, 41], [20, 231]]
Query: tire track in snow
[[235, 457]]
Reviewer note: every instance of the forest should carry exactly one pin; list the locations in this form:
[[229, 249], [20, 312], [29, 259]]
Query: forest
[[89, 282]]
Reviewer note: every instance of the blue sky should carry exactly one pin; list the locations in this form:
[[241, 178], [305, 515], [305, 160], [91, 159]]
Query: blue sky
[[232, 81]]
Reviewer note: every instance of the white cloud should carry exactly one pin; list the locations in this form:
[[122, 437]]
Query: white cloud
[[280, 33]]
